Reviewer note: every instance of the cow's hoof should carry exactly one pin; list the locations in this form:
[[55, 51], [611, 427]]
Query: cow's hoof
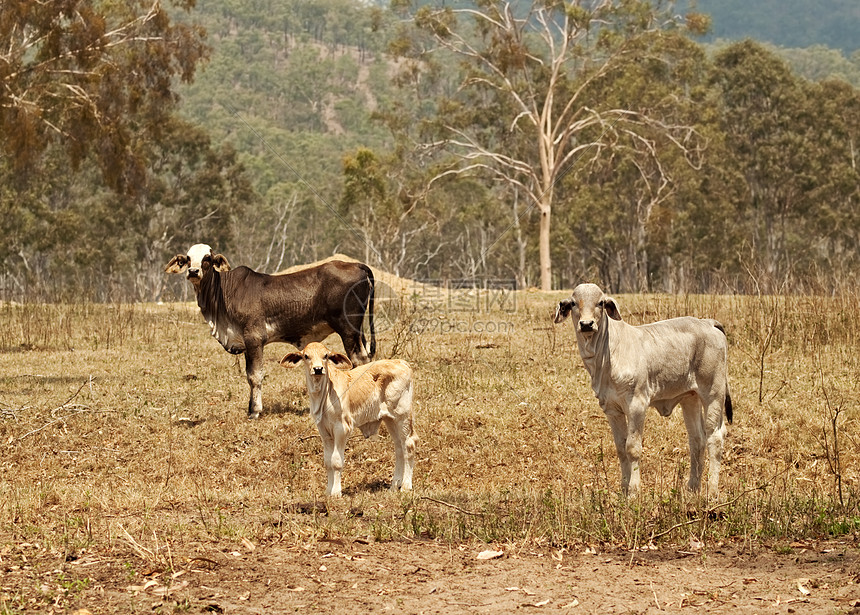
[[253, 415]]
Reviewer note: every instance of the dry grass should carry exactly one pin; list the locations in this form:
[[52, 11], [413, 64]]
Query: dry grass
[[124, 427]]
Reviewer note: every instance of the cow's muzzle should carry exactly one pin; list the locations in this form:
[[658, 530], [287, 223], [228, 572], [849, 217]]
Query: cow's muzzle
[[586, 326], [193, 273], [317, 371]]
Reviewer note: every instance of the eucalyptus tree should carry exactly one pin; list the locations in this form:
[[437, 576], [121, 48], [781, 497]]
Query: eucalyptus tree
[[93, 75], [836, 221], [772, 129], [529, 69]]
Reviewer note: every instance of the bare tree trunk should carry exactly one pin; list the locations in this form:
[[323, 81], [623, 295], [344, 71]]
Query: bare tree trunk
[[521, 243], [544, 249]]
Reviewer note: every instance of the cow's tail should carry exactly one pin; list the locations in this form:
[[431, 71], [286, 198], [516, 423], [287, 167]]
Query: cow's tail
[[728, 406], [370, 323], [729, 410]]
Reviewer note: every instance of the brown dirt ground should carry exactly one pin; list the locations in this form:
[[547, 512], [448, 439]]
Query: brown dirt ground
[[428, 577]]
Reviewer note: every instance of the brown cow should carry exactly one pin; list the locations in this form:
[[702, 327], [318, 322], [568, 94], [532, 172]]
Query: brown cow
[[246, 310]]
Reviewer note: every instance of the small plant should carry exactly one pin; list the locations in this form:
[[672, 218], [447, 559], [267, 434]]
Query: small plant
[[72, 586], [130, 570], [783, 549]]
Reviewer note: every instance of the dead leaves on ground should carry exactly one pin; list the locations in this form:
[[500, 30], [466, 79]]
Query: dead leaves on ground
[[155, 588]]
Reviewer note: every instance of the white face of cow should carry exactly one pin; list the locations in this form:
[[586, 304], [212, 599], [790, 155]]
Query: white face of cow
[[192, 263], [195, 259], [587, 305]]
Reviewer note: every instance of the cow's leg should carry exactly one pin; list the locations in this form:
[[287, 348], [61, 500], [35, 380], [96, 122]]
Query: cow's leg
[[618, 423], [694, 420], [633, 444], [336, 457], [715, 432], [352, 343], [254, 371]]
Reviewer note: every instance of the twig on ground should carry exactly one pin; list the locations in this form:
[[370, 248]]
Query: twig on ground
[[64, 406], [454, 506], [49, 423], [142, 552]]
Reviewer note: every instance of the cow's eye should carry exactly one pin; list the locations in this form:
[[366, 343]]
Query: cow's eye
[[306, 357], [601, 304]]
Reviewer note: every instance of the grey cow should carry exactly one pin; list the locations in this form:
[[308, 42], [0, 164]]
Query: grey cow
[[662, 364]]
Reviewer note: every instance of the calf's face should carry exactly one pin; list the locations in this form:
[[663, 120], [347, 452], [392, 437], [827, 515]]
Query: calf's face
[[586, 305], [317, 360]]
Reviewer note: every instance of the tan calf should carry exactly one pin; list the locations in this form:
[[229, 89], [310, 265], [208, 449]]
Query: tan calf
[[343, 397]]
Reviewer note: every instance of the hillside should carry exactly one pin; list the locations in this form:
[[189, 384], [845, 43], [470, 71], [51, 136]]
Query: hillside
[[787, 23]]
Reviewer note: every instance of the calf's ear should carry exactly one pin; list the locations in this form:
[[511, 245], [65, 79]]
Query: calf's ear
[[177, 264], [291, 360], [611, 308], [340, 361], [219, 261]]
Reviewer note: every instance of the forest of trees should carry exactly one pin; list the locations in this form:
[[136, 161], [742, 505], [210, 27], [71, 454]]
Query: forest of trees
[[548, 143]]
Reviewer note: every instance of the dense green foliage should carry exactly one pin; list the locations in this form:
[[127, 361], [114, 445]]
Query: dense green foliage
[[308, 132]]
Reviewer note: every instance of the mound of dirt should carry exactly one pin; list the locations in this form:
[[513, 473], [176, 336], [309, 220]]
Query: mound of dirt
[[401, 286]]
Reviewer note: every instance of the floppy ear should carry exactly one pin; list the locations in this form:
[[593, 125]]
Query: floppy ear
[[562, 310], [219, 261], [611, 308], [291, 360], [177, 264], [340, 361]]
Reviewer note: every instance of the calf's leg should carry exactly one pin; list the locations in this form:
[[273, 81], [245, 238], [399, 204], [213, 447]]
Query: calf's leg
[[404, 451], [334, 459], [328, 451]]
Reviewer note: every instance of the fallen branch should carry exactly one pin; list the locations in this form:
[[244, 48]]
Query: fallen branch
[[49, 423], [454, 506], [64, 405]]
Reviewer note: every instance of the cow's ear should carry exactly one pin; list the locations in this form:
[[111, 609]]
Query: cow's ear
[[611, 308], [177, 264], [341, 361], [219, 261], [291, 360], [562, 310]]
